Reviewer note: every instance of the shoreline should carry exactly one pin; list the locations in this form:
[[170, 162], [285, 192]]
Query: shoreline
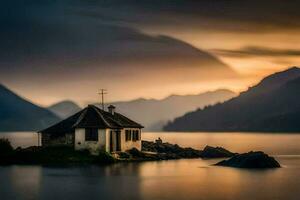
[[151, 151]]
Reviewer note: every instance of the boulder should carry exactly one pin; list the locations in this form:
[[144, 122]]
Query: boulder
[[216, 152], [256, 159]]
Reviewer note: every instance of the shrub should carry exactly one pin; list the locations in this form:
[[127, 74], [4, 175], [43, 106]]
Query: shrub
[[136, 153], [124, 155], [105, 158], [5, 146]]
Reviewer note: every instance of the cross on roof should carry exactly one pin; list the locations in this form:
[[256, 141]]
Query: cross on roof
[[102, 92]]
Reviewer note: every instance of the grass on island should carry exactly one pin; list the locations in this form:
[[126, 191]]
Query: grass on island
[[55, 155], [63, 155]]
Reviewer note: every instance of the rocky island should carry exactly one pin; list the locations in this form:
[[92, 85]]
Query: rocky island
[[251, 159], [151, 151], [174, 151]]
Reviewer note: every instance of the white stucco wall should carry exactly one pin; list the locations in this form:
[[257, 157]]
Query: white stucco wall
[[93, 146], [104, 141], [127, 145]]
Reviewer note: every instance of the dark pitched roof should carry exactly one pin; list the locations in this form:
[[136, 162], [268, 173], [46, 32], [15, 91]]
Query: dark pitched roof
[[92, 117]]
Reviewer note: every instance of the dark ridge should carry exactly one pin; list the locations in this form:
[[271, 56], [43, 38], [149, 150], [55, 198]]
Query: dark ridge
[[271, 106], [18, 114]]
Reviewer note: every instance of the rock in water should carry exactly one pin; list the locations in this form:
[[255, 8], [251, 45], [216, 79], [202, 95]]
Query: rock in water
[[216, 152], [251, 159]]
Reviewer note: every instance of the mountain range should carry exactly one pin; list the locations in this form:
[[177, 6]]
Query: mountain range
[[18, 114], [64, 109], [272, 106], [153, 113]]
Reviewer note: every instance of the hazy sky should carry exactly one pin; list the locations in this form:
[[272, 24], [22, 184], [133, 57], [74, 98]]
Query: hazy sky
[[68, 49]]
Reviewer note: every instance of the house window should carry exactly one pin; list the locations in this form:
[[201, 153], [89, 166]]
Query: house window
[[135, 135], [138, 135], [127, 135], [91, 134]]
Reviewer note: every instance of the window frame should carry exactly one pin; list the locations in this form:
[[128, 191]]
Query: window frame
[[91, 135], [138, 135], [135, 135], [127, 135], [130, 135]]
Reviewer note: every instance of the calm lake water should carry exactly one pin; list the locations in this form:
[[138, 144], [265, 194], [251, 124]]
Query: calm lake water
[[170, 180]]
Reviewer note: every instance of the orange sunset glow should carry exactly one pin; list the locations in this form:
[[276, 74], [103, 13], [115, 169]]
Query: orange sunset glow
[[146, 52], [150, 99]]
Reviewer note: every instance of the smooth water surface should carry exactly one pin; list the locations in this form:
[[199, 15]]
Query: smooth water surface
[[170, 180]]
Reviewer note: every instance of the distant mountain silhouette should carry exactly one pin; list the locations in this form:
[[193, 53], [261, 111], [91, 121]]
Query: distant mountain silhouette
[[18, 114], [154, 114], [273, 105], [64, 109]]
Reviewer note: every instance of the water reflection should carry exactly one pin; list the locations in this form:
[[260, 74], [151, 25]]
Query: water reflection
[[181, 179], [91, 182], [184, 179], [21, 182]]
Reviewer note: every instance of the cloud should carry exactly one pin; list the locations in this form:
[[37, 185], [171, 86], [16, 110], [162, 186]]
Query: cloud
[[219, 15], [85, 43], [255, 51], [49, 49], [80, 46]]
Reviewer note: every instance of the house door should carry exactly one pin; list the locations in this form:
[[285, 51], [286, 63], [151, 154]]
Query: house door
[[115, 141], [118, 140]]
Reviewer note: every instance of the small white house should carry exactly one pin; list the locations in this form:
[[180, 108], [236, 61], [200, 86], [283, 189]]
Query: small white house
[[95, 129]]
